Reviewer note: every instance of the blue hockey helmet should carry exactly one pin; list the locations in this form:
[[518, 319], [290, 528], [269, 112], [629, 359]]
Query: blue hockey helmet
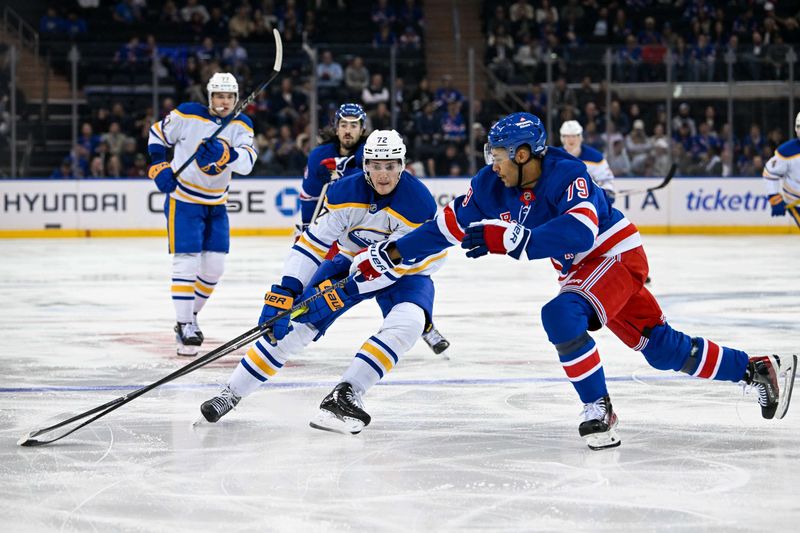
[[350, 110], [515, 130]]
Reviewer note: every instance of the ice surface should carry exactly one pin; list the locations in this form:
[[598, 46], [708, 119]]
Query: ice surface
[[486, 441]]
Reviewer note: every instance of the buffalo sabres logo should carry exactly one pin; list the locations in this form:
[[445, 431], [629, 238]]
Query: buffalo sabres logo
[[363, 237]]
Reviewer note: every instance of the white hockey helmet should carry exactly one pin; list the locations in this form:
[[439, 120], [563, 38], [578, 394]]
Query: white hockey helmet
[[571, 127], [222, 82], [384, 145], [797, 125]]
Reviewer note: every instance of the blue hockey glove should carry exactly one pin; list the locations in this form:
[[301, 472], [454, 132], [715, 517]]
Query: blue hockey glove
[[778, 205], [332, 301], [495, 237], [277, 300], [332, 168], [164, 177], [214, 153]]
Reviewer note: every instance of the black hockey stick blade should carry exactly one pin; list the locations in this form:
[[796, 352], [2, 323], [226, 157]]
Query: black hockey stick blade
[[664, 183], [276, 69], [61, 429]]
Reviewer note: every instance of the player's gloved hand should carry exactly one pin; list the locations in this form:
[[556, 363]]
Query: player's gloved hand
[[373, 261], [495, 237], [214, 152], [277, 300], [327, 169], [164, 177], [778, 205], [331, 300]]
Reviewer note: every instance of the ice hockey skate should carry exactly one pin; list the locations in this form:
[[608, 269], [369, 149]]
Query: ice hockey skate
[[342, 411], [598, 426], [773, 378], [435, 340], [197, 330], [187, 339], [220, 405]]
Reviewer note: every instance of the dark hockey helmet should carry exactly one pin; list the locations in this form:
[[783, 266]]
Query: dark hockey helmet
[[513, 131]]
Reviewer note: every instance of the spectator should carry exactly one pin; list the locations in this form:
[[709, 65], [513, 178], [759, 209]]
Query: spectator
[[193, 8], [384, 37], [546, 13], [381, 118], [356, 76], [638, 147], [563, 97], [421, 96], [114, 167], [447, 92], [620, 119], [410, 14], [702, 58], [96, 168], [661, 160], [64, 170], [683, 118], [536, 100], [629, 61], [519, 11], [127, 12], [527, 57], [617, 158], [217, 27], [234, 55], [499, 53], [52, 23], [139, 167], [241, 25], [382, 14], [87, 138], [114, 138], [754, 56], [288, 104], [453, 126], [170, 15], [586, 93], [75, 27], [427, 131], [410, 39], [374, 93], [207, 52], [329, 72], [450, 162]]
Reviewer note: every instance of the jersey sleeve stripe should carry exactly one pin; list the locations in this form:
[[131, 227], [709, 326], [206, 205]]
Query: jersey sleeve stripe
[[422, 266], [242, 124], [316, 239], [308, 254], [448, 225], [346, 205], [305, 243], [189, 184]]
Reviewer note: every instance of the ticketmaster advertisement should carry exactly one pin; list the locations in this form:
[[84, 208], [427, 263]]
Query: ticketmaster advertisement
[[267, 206]]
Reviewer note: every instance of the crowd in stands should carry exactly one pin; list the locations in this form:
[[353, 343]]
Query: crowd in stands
[[218, 35]]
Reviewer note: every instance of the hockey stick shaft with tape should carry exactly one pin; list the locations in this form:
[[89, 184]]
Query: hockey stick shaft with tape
[[664, 183]]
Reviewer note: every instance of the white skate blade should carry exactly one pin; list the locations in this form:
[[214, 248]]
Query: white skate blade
[[187, 351], [327, 421], [786, 380], [601, 441]]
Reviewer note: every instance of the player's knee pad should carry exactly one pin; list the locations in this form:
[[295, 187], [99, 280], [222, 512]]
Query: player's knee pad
[[566, 317], [185, 266], [402, 326], [668, 349], [212, 266]]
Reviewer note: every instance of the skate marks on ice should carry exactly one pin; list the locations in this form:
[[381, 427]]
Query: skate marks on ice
[[487, 441]]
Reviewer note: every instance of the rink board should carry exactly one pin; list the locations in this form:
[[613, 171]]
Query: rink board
[[270, 206]]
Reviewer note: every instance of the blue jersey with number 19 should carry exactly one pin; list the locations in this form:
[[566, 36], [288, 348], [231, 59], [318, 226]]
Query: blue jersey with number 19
[[567, 213]]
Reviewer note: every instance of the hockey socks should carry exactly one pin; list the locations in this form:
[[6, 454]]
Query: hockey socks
[[581, 362], [669, 349]]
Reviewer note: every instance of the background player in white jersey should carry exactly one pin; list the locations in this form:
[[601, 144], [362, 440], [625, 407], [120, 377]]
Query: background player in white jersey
[[381, 203], [197, 220], [572, 141], [782, 176]]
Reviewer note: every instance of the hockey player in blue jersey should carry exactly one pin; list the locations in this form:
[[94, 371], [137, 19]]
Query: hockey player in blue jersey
[[340, 154], [782, 177], [197, 220], [379, 203], [538, 201]]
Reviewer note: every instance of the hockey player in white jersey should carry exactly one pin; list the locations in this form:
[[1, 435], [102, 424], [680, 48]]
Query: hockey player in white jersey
[[572, 141], [197, 220], [782, 176], [382, 202]]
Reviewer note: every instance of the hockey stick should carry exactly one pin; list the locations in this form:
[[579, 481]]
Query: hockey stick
[[276, 69], [664, 183], [245, 338]]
